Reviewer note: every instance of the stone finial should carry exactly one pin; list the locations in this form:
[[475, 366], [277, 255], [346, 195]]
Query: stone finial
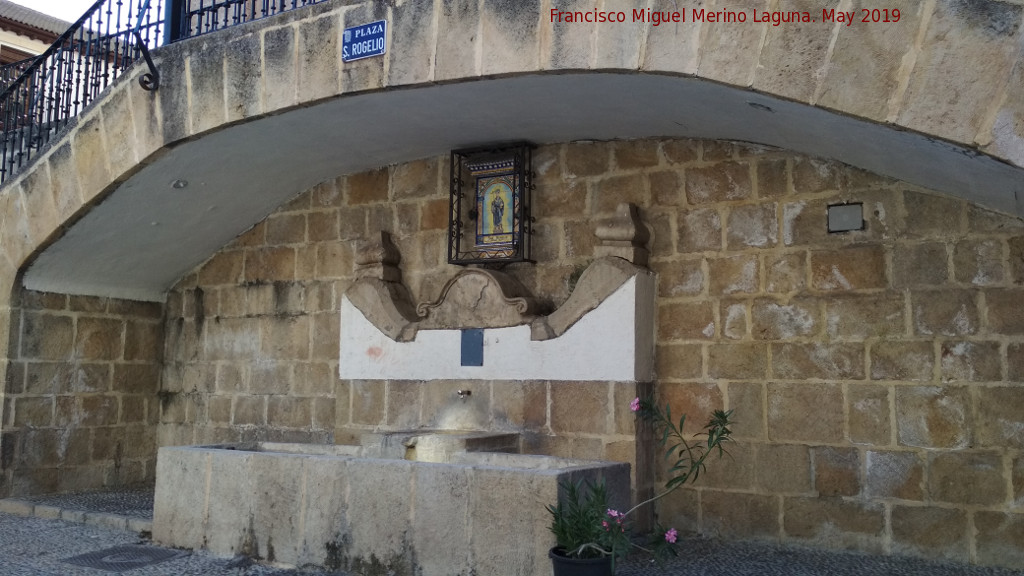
[[378, 258], [623, 235]]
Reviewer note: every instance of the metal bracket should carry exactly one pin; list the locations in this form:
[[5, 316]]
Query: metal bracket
[[149, 81]]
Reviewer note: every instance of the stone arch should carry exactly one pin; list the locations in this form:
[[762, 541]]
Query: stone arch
[[220, 88]]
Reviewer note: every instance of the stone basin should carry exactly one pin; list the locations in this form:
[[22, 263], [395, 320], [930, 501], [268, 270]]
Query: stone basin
[[335, 507], [419, 445]]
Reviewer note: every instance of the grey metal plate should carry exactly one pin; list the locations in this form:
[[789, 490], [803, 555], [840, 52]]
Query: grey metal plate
[[124, 558]]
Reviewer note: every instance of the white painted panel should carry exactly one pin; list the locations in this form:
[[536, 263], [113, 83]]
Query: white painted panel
[[602, 346]]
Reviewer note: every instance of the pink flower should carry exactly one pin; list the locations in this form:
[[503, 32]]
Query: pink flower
[[671, 536], [613, 513], [635, 405], [604, 524]]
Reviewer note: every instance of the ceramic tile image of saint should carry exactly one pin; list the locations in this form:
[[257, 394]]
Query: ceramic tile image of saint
[[495, 206]]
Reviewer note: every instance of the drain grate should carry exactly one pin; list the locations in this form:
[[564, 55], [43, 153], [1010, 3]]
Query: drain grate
[[124, 558]]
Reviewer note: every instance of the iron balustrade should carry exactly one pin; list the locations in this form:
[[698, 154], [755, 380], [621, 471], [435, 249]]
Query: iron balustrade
[[54, 87], [11, 72], [196, 17]]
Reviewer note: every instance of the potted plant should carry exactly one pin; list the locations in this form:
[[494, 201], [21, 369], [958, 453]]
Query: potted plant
[[590, 536]]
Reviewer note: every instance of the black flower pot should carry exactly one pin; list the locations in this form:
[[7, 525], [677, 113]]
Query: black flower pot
[[565, 566]]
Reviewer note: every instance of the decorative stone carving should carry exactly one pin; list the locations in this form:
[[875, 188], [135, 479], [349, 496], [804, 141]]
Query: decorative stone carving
[[378, 292], [623, 235], [378, 258], [476, 298], [602, 278]]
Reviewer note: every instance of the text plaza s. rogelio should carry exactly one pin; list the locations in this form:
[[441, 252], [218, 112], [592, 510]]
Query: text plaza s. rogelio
[[364, 41]]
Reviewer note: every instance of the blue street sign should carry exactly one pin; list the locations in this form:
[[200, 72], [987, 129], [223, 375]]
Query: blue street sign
[[364, 41]]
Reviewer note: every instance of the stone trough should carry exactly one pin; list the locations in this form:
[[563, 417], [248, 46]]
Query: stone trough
[[369, 510]]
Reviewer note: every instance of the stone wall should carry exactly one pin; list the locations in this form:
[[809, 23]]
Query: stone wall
[[81, 399], [871, 372]]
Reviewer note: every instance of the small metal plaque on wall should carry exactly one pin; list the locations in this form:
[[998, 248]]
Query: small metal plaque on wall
[[490, 218]]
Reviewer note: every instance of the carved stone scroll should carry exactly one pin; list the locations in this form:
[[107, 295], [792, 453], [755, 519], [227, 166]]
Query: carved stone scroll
[[476, 298], [379, 293]]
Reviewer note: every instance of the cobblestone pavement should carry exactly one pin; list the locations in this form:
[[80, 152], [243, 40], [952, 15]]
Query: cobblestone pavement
[[31, 546], [136, 503]]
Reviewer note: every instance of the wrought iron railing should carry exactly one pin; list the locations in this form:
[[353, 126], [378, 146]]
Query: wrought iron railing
[[57, 85], [71, 73], [11, 72], [196, 17]]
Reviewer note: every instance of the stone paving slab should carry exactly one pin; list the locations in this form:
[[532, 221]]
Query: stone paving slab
[[34, 546]]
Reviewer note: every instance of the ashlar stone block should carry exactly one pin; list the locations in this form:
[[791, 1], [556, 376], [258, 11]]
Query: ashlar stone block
[[852, 268], [722, 182], [699, 230], [892, 474], [794, 53], [319, 57], [907, 361], [868, 414], [571, 44], [816, 360], [774, 320], [930, 531], [179, 512], [680, 278], [836, 471], [729, 514], [729, 53], [863, 73], [734, 275], [933, 417], [697, 401], [945, 312], [785, 273], [998, 539], [673, 47], [753, 226], [441, 528], [1004, 312], [805, 412], [919, 264], [579, 407], [978, 262], [493, 552], [970, 361], [856, 317], [746, 400], [206, 83], [279, 88], [966, 478], [243, 70], [783, 468], [91, 155], [835, 522], [961, 32], [1000, 420], [411, 60], [738, 361], [686, 321], [510, 34]]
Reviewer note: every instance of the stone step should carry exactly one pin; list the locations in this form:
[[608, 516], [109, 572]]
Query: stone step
[[134, 524]]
